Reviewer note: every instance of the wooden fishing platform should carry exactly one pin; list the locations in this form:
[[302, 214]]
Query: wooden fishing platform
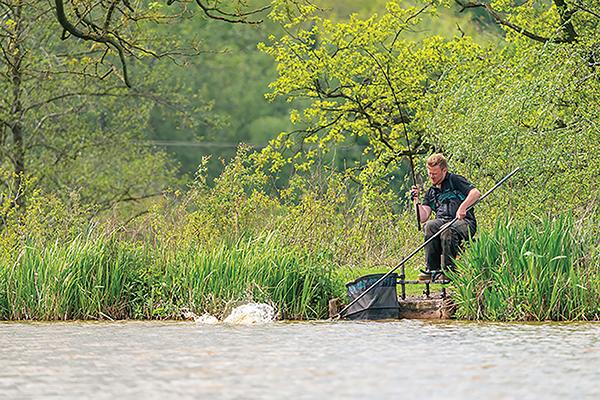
[[428, 306], [413, 307], [438, 305]]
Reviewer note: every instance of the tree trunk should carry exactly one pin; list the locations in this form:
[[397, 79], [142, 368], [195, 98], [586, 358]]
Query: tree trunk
[[16, 74]]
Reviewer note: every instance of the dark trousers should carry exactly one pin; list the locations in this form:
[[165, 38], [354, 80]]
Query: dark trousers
[[447, 243]]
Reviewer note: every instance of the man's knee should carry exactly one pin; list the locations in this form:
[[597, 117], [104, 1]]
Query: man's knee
[[447, 235], [431, 227]]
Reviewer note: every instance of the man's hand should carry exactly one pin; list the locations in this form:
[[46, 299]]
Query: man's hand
[[471, 199], [461, 213], [414, 194]]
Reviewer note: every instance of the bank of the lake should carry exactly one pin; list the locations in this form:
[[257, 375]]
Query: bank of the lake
[[516, 272]]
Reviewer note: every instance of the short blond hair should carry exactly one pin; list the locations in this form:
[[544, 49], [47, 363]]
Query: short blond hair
[[437, 159]]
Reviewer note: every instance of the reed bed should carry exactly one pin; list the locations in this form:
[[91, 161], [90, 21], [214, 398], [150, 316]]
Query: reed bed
[[546, 270], [80, 280], [298, 283], [106, 279]]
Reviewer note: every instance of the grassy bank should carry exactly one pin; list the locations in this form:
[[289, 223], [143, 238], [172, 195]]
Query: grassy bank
[[108, 279], [536, 271], [543, 270]]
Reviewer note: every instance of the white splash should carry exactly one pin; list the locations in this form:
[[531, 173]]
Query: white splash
[[205, 318], [252, 313]]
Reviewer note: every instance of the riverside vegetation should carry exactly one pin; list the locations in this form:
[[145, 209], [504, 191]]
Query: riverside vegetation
[[295, 255], [100, 278], [96, 224], [533, 271]]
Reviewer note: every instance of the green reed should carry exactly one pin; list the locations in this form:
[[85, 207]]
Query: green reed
[[545, 270], [79, 280], [298, 283], [101, 278]]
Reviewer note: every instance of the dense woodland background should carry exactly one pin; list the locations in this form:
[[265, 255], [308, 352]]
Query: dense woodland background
[[196, 123]]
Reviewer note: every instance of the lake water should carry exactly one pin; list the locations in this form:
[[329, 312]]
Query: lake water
[[324, 360]]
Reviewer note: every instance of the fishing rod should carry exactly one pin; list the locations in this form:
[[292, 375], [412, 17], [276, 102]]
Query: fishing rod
[[412, 165], [444, 228]]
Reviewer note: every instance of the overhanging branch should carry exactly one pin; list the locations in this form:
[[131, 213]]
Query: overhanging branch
[[105, 22], [564, 13], [233, 18], [69, 27]]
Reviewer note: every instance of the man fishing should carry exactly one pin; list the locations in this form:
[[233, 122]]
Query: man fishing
[[449, 196]]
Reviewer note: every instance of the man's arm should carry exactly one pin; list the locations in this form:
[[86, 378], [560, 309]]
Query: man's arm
[[472, 197], [424, 210]]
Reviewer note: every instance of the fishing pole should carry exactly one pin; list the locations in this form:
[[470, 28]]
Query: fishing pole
[[412, 165], [444, 228], [386, 75]]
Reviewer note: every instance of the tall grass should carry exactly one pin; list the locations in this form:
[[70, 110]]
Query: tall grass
[[101, 278], [80, 280], [546, 270], [297, 282]]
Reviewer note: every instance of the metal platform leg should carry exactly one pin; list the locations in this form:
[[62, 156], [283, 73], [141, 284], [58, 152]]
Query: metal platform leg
[[403, 284]]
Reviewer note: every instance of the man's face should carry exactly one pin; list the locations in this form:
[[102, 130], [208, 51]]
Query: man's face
[[436, 174]]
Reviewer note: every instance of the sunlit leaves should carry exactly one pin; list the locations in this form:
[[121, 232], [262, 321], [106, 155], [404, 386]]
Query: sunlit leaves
[[362, 78], [536, 108]]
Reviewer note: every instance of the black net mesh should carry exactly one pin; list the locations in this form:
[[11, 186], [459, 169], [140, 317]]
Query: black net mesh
[[380, 302]]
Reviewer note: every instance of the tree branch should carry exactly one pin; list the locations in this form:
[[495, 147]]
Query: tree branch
[[564, 15], [587, 10], [565, 20], [69, 27], [233, 18], [105, 22]]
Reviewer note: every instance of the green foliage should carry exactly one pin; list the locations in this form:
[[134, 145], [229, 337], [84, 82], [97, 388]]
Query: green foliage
[[63, 131], [80, 280], [361, 83], [534, 271], [530, 101], [215, 246], [50, 218], [536, 110], [226, 83], [98, 278], [298, 283], [316, 212]]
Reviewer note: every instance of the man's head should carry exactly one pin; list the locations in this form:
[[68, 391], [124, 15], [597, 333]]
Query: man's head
[[437, 167]]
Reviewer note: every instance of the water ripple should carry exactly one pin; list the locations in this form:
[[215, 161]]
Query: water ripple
[[349, 360]]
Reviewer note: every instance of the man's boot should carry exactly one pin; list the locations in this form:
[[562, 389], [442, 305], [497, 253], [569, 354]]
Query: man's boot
[[425, 275], [439, 276]]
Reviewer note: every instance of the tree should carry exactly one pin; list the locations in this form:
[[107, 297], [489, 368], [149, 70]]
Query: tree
[[361, 79], [489, 107], [67, 122], [532, 104], [61, 128]]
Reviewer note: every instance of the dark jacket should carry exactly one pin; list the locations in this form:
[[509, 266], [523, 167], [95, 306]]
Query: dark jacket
[[446, 199]]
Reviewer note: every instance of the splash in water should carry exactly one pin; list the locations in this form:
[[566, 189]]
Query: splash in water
[[205, 318], [252, 313]]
